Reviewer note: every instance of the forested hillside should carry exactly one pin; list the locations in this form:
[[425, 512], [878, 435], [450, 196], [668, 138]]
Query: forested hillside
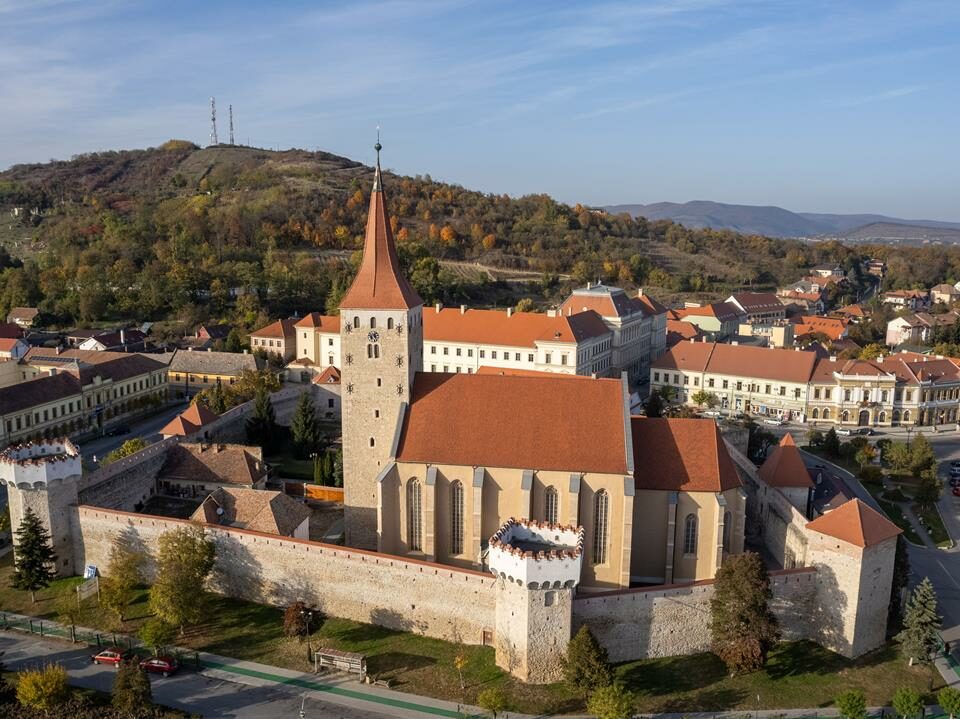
[[183, 233]]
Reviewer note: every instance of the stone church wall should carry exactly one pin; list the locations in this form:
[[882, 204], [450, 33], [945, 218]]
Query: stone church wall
[[674, 620], [426, 598]]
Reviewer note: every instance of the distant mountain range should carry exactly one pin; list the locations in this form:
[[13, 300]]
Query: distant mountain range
[[778, 222]]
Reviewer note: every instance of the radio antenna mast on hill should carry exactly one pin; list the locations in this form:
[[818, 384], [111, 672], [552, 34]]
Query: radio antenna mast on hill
[[230, 107], [213, 121]]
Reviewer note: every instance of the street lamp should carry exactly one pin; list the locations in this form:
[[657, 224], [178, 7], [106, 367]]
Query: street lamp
[[909, 430], [307, 614]]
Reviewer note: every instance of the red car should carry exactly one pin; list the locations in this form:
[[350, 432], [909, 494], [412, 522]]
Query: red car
[[160, 665], [112, 655], [956, 490]]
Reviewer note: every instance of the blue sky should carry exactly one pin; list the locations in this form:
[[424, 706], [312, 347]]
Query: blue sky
[[812, 105]]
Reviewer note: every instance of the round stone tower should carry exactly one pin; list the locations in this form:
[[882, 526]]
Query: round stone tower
[[43, 476], [538, 566]]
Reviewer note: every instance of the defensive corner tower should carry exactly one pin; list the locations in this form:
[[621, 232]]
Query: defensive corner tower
[[43, 476], [538, 567], [381, 338]]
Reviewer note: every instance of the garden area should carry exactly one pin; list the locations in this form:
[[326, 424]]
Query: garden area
[[901, 477]]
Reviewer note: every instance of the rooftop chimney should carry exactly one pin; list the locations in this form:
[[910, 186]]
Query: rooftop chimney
[[463, 309], [123, 337], [639, 292], [509, 311], [438, 307]]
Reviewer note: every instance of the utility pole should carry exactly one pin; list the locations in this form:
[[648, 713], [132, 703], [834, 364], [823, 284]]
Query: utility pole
[[213, 121], [230, 107]]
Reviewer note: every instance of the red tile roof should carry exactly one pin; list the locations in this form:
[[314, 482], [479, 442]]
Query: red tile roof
[[324, 323], [610, 302], [520, 329], [856, 523], [758, 301], [331, 375], [545, 422], [684, 455], [189, 421], [832, 327], [379, 283], [785, 467], [681, 331], [723, 311], [279, 329], [739, 361]]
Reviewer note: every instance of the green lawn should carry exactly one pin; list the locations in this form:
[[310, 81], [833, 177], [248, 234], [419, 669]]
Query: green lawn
[[930, 516], [799, 674]]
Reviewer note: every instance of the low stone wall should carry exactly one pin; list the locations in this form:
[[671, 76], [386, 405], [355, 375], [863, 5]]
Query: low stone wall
[[422, 597], [671, 620]]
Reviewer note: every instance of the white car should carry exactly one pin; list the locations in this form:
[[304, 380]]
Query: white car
[[774, 421]]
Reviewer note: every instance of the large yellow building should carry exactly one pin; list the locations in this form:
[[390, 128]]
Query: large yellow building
[[435, 463]]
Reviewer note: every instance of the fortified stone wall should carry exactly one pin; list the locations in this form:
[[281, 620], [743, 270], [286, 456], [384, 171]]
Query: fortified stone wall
[[421, 597], [673, 620], [127, 482]]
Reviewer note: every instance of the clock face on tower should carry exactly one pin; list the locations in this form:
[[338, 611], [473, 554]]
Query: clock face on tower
[[374, 336]]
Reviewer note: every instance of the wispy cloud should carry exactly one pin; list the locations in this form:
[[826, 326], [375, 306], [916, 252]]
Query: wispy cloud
[[891, 94]]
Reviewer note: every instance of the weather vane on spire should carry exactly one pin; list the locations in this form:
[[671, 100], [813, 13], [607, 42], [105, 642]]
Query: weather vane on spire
[[377, 184], [378, 146]]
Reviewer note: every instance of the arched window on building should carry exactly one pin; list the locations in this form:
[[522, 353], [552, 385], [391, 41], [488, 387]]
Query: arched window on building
[[826, 413], [356, 322], [906, 415], [601, 518], [414, 518], [456, 518], [882, 417], [845, 417], [373, 351], [690, 534], [389, 323], [373, 323], [551, 503], [815, 414], [727, 529]]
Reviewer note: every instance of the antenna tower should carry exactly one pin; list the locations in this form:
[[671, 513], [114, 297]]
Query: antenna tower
[[230, 108], [213, 121]]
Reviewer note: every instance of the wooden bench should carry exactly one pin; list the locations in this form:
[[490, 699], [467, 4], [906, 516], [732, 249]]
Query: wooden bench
[[349, 662]]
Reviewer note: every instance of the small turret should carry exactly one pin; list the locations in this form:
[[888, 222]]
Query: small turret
[[42, 476], [538, 565]]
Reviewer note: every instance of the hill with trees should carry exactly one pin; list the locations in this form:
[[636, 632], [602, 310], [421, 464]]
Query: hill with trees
[[184, 234]]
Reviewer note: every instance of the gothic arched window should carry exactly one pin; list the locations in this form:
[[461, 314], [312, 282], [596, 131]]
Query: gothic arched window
[[551, 502], [727, 529], [601, 518], [690, 534], [456, 518], [414, 520]]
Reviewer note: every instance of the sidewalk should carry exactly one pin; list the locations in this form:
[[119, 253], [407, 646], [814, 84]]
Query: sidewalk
[[342, 690], [334, 688]]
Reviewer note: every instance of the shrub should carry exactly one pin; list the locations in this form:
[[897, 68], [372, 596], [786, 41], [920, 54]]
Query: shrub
[[493, 700], [907, 702], [611, 702], [871, 473], [295, 620], [131, 689], [852, 704], [43, 688]]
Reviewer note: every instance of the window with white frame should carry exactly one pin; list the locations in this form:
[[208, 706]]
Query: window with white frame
[[414, 516], [601, 518], [690, 534], [456, 518]]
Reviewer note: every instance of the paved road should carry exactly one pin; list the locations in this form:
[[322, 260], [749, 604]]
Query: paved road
[[148, 429], [211, 697]]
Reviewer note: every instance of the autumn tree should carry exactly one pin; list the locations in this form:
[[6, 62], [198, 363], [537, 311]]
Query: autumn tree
[[743, 627], [44, 688], [131, 692], [157, 634], [851, 704], [493, 700], [185, 558], [121, 578], [525, 305], [611, 702], [34, 560], [131, 446], [949, 700]]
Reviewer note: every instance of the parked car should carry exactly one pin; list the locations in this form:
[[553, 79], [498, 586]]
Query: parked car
[[776, 422], [956, 491], [112, 655], [118, 431], [160, 665], [955, 481], [955, 471], [955, 463], [712, 413], [853, 431]]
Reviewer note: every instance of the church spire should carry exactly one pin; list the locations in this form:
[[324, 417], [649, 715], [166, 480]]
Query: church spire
[[379, 284]]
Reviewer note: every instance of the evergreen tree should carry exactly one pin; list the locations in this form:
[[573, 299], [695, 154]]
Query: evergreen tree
[[338, 468], [262, 424], [921, 623], [304, 427], [34, 559], [654, 405], [831, 443], [218, 399], [586, 666], [234, 342], [901, 575], [131, 689], [328, 469], [742, 625]]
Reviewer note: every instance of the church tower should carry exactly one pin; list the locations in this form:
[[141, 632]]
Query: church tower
[[381, 335]]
